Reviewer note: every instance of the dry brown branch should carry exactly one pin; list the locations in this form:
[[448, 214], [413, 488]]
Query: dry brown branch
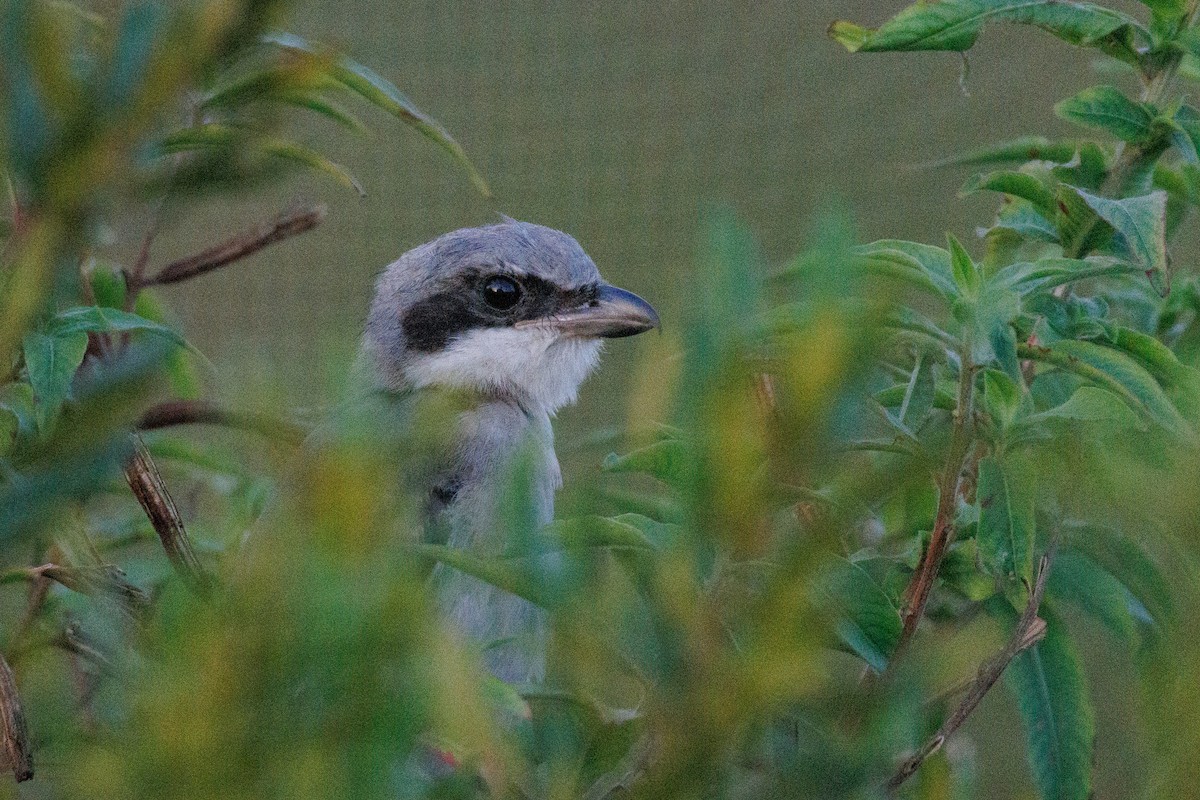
[[1029, 630], [201, 412], [151, 492], [15, 754], [284, 226]]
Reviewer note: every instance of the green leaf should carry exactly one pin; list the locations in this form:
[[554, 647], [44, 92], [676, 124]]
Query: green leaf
[[1026, 221], [213, 136], [1142, 224], [1080, 580], [918, 394], [133, 50], [1017, 184], [1113, 370], [1166, 8], [955, 25], [595, 531], [1125, 559], [1001, 397], [51, 361], [380, 92], [1006, 522], [669, 460], [1052, 696], [1091, 404], [100, 319], [1048, 273], [513, 575], [921, 264], [870, 622], [1107, 108], [966, 274], [1026, 148], [323, 106]]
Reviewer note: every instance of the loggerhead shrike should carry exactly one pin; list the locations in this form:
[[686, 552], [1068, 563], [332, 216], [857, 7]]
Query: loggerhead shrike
[[510, 315]]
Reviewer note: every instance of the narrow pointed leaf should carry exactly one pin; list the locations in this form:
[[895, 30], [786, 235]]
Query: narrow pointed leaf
[[1017, 184], [1027, 148], [921, 264], [966, 274], [1142, 224], [1059, 722], [955, 25], [869, 623], [1107, 108], [51, 361], [380, 92], [1006, 522]]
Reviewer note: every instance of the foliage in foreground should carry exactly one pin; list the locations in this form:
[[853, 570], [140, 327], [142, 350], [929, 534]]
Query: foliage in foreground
[[894, 475]]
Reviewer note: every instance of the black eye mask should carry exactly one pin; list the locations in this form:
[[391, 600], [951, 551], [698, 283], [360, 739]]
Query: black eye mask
[[463, 305]]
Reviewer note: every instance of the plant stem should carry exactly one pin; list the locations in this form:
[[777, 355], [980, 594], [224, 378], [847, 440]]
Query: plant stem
[[1029, 630], [15, 754], [246, 243], [916, 596], [200, 412], [151, 493]]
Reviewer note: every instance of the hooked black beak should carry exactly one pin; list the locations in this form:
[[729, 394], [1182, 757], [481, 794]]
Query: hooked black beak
[[613, 314]]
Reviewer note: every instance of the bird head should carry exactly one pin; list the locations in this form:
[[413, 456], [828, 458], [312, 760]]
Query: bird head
[[513, 310]]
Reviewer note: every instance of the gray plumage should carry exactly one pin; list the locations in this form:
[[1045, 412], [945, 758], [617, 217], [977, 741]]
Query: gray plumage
[[509, 318]]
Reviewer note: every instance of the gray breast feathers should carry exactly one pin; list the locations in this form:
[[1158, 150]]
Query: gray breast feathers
[[497, 443]]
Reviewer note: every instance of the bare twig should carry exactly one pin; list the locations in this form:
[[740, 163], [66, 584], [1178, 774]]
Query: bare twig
[[284, 226], [1029, 631], [916, 595], [15, 754], [151, 492], [201, 412]]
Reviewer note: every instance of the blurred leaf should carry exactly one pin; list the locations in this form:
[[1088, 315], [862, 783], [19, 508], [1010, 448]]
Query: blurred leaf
[[51, 361], [669, 460], [1078, 579], [1048, 682], [382, 93], [602, 532], [132, 53], [99, 319], [323, 106], [214, 136], [513, 575], [870, 624], [1006, 522], [1087, 405], [1126, 559], [1108, 109]]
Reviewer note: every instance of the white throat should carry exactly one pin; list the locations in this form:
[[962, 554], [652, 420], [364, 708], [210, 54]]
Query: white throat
[[536, 366]]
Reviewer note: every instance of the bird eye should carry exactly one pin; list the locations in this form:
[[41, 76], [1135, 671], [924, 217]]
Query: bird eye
[[501, 293]]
